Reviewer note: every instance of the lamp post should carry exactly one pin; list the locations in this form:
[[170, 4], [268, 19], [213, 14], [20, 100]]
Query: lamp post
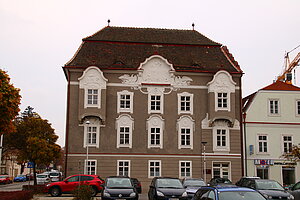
[[204, 161], [87, 146]]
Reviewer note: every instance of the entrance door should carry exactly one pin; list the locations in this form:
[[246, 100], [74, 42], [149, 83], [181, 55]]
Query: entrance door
[[288, 175]]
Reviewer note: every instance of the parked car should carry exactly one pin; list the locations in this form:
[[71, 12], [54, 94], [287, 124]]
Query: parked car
[[29, 177], [295, 190], [137, 184], [20, 178], [164, 188], [55, 189], [227, 192], [269, 188], [42, 179], [245, 179], [5, 179], [119, 187], [218, 180], [55, 176], [191, 185]]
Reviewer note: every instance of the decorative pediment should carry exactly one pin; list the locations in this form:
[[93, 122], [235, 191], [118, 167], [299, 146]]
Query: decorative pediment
[[155, 71], [92, 78], [222, 82]]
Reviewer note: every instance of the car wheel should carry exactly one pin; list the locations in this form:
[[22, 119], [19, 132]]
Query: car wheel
[[94, 191], [55, 192]]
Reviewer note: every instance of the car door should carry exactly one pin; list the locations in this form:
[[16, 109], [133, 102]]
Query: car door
[[295, 191], [71, 183]]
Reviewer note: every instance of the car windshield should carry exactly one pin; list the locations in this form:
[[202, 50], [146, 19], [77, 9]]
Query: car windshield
[[41, 176], [20, 175], [3, 176], [168, 183], [268, 185], [54, 174], [118, 183], [240, 195], [194, 183]]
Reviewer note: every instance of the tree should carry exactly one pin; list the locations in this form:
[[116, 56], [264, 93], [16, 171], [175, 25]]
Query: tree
[[34, 139], [293, 155], [9, 103]]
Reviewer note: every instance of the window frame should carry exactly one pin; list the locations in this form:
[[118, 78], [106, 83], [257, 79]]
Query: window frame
[[185, 167], [297, 107], [185, 122], [87, 166], [124, 167], [149, 168], [225, 148], [185, 94], [258, 144], [124, 121], [161, 102], [227, 108], [283, 142], [221, 169], [86, 135], [126, 110], [278, 106], [155, 121]]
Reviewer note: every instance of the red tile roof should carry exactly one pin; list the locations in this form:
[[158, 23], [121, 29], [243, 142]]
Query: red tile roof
[[280, 85]]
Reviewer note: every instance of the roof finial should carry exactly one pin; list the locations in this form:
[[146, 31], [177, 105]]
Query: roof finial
[[193, 25], [108, 21]]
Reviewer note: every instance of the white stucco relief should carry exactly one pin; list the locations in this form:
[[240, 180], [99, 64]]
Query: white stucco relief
[[156, 71], [222, 82], [92, 78], [207, 123]]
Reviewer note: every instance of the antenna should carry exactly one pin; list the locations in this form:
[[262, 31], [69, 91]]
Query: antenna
[[193, 25], [108, 21]]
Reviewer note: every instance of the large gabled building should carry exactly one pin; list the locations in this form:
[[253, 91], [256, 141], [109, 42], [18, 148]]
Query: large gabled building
[[146, 101]]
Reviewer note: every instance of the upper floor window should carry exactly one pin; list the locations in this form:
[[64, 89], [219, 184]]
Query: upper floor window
[[90, 167], [222, 100], [274, 106], [287, 143], [155, 103], [124, 126], [185, 169], [185, 103], [262, 143], [123, 168], [91, 133], [92, 96], [155, 125], [125, 101], [221, 136], [154, 168], [298, 107], [185, 126]]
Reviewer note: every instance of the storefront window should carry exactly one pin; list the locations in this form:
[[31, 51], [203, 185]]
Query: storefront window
[[288, 175], [263, 172]]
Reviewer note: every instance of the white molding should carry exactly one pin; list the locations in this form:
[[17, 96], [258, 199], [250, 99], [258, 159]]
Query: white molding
[[160, 167], [124, 120], [223, 126], [155, 121], [119, 109], [187, 122], [93, 123], [185, 94], [155, 92]]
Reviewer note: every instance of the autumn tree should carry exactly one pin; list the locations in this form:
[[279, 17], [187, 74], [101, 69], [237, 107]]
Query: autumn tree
[[293, 155], [9, 103], [34, 140]]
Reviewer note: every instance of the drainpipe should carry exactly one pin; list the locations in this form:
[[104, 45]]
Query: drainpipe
[[245, 144], [67, 127]]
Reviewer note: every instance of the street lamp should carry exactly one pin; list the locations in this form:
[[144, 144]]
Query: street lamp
[[204, 161], [87, 146]]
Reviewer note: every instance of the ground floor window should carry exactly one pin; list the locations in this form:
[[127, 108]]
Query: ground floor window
[[288, 175], [154, 168], [90, 167], [221, 170], [185, 169], [263, 172], [123, 167]]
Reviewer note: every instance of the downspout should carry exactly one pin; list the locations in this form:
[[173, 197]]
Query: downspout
[[245, 143], [241, 129], [67, 126]]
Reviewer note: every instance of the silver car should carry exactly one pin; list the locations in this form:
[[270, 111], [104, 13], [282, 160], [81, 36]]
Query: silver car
[[42, 179]]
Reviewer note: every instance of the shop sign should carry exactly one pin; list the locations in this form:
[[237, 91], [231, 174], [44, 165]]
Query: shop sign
[[263, 162], [285, 163]]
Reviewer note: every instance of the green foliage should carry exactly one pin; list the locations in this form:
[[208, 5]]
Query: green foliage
[[293, 155], [9, 103], [83, 192]]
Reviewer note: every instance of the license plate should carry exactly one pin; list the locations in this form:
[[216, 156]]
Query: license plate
[[173, 199]]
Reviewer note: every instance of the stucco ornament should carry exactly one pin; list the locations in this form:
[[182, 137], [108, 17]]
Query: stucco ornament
[[92, 78], [157, 71], [222, 82]]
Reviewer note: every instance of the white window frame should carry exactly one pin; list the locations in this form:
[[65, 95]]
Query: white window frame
[[124, 120], [87, 167], [269, 107], [128, 110], [185, 122], [161, 110], [149, 167], [124, 167], [93, 123], [283, 142], [222, 168], [222, 99], [155, 121], [185, 94], [258, 141], [297, 107], [221, 126], [185, 168]]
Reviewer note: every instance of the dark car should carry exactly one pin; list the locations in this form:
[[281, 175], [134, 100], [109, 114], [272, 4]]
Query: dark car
[[165, 188], [227, 192], [269, 188], [137, 185], [191, 185], [72, 182], [119, 187], [245, 179], [218, 180], [295, 190]]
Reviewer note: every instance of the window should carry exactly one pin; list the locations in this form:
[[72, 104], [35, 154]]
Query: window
[[185, 103], [185, 168], [155, 103], [222, 100], [262, 143], [185, 126], [124, 126], [262, 172], [92, 135], [92, 96], [298, 107], [221, 136], [185, 137], [287, 144], [154, 168], [123, 167], [221, 170], [90, 167], [155, 126], [125, 101], [274, 107]]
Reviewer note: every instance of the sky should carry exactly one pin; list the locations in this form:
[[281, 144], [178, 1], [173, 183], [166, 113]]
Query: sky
[[37, 37]]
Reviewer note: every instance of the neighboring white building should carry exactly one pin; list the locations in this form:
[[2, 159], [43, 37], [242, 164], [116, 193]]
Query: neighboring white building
[[271, 126]]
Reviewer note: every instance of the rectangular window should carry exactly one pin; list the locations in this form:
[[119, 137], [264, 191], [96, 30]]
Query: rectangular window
[[263, 173], [92, 97], [124, 135], [91, 167], [185, 136], [298, 107], [287, 144], [222, 100], [185, 103], [185, 169], [262, 143], [274, 106], [154, 168], [221, 170], [124, 101], [221, 138], [155, 137], [123, 167], [155, 102], [92, 135]]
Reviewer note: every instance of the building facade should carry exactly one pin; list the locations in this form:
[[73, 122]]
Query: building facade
[[271, 125], [143, 102]]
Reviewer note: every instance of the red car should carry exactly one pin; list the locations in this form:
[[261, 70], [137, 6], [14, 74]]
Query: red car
[[55, 189], [5, 179]]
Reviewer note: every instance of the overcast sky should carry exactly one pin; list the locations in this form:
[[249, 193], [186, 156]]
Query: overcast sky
[[37, 37]]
